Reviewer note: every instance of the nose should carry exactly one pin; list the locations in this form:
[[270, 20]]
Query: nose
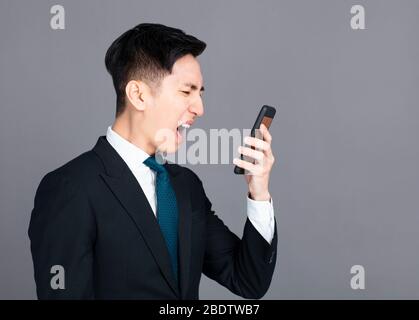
[[198, 107]]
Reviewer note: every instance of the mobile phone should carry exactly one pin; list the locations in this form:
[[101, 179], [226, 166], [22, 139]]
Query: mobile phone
[[265, 116]]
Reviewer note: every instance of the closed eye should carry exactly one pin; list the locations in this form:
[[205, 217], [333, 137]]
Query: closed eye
[[186, 92]]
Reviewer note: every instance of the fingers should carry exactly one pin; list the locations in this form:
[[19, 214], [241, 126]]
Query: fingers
[[257, 143], [260, 151], [253, 169], [255, 154]]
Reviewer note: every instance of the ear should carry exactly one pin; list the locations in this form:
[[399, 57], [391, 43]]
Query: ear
[[137, 93]]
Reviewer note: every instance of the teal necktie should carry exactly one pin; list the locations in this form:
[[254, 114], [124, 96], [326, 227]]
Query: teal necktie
[[167, 210]]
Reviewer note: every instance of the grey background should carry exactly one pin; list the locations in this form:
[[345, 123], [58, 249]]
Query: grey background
[[345, 184]]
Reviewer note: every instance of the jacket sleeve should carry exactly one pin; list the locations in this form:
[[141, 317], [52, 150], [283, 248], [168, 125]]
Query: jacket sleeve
[[62, 232], [244, 266]]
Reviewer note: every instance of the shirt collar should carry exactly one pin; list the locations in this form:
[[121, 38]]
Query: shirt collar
[[130, 153]]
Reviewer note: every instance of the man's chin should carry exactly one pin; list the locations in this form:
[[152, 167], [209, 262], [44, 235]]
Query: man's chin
[[169, 148], [168, 141]]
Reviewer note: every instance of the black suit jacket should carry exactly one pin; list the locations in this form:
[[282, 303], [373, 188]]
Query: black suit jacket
[[91, 217]]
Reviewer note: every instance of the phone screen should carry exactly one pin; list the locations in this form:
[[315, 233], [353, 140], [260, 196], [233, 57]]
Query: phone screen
[[267, 121]]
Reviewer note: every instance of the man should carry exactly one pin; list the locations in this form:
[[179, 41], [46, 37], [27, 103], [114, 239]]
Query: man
[[120, 225]]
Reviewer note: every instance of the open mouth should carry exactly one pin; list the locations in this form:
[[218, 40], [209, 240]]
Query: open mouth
[[182, 126], [181, 130]]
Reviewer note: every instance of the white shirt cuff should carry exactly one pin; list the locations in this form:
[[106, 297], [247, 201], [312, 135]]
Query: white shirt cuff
[[261, 215]]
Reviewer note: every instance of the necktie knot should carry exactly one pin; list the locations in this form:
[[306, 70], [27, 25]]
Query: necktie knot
[[152, 163]]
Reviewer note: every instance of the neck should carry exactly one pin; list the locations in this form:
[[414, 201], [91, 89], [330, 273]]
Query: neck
[[126, 127]]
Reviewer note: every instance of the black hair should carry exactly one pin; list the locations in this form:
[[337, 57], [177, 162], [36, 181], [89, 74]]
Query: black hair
[[147, 52]]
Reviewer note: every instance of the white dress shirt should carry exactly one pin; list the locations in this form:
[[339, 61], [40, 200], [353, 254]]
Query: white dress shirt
[[260, 213]]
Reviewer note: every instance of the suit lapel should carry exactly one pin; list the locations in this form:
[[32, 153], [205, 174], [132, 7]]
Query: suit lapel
[[126, 189]]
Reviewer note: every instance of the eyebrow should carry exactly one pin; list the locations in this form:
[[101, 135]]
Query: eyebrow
[[194, 87]]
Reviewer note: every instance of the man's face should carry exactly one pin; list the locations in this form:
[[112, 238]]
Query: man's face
[[178, 100]]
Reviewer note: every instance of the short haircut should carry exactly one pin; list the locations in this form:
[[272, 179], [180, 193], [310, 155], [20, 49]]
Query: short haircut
[[147, 52]]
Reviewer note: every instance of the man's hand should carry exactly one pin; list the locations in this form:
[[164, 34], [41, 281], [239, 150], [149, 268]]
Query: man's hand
[[257, 175]]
